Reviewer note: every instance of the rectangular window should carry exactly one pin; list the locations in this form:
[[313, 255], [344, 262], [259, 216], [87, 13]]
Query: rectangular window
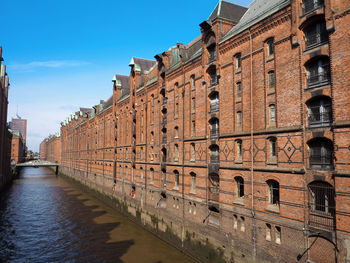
[[193, 183], [268, 232], [239, 121], [239, 90], [152, 176], [193, 108], [278, 235], [176, 152], [193, 152], [176, 110], [272, 115], [270, 48], [193, 128], [238, 62], [177, 179], [271, 80]]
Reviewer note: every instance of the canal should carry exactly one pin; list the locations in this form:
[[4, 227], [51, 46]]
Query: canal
[[44, 218]]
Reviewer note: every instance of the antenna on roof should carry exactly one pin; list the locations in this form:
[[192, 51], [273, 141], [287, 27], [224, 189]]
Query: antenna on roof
[[18, 117]]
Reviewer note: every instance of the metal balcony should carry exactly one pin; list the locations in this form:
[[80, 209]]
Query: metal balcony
[[318, 118]]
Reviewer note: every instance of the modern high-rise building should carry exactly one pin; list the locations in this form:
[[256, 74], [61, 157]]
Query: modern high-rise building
[[21, 126]]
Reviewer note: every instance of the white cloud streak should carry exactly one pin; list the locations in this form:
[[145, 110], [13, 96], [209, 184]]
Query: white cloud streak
[[48, 64]]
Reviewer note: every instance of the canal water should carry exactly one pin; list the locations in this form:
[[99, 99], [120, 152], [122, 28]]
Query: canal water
[[44, 218]]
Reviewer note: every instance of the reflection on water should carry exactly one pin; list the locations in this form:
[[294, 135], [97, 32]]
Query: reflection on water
[[46, 219]]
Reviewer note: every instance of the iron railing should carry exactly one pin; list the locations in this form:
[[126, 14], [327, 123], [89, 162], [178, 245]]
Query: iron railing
[[315, 39], [318, 118], [214, 107], [214, 158], [309, 5], [321, 206], [214, 133], [321, 160], [319, 79]]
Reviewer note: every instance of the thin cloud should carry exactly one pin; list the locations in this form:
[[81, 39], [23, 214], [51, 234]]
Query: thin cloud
[[48, 64]]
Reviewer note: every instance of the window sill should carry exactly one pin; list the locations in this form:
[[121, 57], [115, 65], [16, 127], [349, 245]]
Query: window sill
[[193, 192], [239, 201], [239, 70], [273, 208], [176, 188], [270, 58], [239, 161], [272, 161], [239, 100], [271, 91]]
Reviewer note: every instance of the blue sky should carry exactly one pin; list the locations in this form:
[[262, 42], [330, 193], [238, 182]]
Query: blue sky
[[61, 55]]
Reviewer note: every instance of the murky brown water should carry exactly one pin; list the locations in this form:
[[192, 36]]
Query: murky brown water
[[47, 219]]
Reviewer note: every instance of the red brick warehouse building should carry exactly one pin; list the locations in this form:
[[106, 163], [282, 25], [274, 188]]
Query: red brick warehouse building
[[5, 135], [236, 145]]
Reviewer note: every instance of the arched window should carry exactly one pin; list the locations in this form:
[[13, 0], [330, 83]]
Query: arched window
[[318, 72], [193, 152], [164, 178], [310, 5], [164, 155], [152, 175], [239, 186], [321, 153], [176, 179], [272, 115], [214, 102], [193, 82], [176, 131], [239, 149], [273, 192], [238, 62], [316, 34], [270, 47], [214, 154], [320, 111], [176, 148], [321, 204], [193, 182], [272, 146], [214, 128]]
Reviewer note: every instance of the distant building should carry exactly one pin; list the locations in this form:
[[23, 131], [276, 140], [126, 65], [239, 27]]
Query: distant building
[[17, 147], [21, 126], [50, 149]]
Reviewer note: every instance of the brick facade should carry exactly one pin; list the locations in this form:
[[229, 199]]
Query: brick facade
[[238, 141], [5, 135], [17, 147], [50, 149]]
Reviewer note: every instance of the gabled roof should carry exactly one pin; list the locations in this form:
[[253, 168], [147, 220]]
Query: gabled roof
[[192, 48], [228, 11], [257, 11], [141, 64]]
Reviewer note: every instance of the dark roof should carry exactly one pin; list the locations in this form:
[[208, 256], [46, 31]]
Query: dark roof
[[124, 81], [227, 10], [85, 110], [144, 64], [257, 11], [192, 48], [108, 103]]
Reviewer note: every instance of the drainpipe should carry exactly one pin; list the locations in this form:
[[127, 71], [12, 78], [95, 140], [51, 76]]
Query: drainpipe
[[252, 142], [183, 147]]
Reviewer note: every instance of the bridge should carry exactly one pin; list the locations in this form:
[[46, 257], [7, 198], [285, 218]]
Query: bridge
[[38, 163]]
